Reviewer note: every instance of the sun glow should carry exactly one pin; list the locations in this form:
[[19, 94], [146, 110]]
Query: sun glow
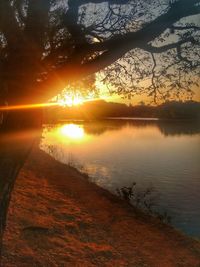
[[70, 100], [77, 100], [72, 131], [69, 97]]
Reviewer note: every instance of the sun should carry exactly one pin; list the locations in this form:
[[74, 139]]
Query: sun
[[70, 100]]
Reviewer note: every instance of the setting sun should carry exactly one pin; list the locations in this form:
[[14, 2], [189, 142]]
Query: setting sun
[[69, 97], [70, 100]]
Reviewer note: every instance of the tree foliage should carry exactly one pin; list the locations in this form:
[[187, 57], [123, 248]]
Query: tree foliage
[[149, 46], [136, 46]]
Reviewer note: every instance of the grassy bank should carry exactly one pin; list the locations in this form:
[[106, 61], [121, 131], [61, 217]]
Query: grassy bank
[[58, 218]]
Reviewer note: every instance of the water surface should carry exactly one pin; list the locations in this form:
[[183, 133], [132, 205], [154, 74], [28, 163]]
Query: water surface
[[116, 153]]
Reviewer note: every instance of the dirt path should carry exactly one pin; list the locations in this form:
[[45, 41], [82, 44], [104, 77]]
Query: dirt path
[[58, 218]]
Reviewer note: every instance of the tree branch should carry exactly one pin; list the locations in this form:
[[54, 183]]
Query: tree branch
[[76, 67], [36, 22], [117, 2], [9, 25], [164, 48], [182, 28], [115, 48]]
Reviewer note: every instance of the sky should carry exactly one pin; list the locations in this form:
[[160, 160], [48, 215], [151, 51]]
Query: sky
[[92, 18], [137, 99]]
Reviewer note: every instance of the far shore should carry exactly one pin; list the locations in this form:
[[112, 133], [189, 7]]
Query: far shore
[[58, 218], [187, 120]]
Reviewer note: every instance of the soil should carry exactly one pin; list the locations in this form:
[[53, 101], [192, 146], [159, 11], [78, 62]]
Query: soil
[[58, 218]]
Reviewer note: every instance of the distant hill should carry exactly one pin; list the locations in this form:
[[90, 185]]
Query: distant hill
[[102, 109]]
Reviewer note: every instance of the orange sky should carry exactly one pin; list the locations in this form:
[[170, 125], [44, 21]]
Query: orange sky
[[104, 94]]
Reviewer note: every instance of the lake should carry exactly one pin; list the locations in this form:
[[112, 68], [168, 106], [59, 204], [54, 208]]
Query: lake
[[117, 152]]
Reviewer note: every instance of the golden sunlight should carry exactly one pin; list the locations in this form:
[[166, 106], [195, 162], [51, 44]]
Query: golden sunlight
[[70, 100], [69, 97], [72, 131]]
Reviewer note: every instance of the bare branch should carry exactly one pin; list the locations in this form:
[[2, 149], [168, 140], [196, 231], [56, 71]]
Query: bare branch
[[164, 48], [118, 2], [147, 33], [182, 28]]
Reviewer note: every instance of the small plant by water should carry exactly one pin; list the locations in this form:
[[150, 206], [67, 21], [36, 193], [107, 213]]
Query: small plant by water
[[145, 200]]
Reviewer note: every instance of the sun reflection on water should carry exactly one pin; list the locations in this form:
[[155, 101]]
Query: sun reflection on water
[[72, 131]]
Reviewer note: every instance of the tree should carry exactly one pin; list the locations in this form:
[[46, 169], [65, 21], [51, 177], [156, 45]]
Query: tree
[[47, 44]]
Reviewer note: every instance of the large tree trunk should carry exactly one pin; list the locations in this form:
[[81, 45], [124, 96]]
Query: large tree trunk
[[18, 73], [19, 131]]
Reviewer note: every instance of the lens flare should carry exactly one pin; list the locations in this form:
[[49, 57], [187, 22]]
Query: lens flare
[[28, 106]]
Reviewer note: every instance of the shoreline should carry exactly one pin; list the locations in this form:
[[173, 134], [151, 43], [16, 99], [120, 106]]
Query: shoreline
[[57, 217]]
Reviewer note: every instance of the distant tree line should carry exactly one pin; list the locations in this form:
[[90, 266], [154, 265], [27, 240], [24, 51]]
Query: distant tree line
[[102, 109]]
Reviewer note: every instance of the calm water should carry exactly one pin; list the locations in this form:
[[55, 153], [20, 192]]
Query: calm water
[[116, 153]]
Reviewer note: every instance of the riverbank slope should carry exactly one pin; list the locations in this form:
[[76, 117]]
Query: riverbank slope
[[58, 218]]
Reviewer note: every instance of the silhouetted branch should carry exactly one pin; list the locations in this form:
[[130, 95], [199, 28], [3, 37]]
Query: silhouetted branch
[[164, 48], [114, 48], [9, 25]]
